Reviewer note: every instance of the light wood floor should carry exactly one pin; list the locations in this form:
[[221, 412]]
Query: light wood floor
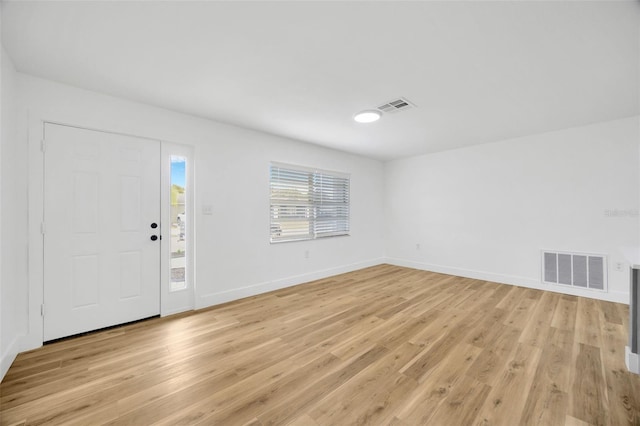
[[384, 345]]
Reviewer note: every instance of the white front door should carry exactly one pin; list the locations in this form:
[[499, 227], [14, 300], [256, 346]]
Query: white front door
[[101, 230]]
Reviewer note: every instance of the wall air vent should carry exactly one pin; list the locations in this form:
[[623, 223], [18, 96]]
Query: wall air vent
[[579, 270], [396, 105]]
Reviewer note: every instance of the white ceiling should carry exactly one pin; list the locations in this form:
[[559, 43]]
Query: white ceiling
[[477, 71]]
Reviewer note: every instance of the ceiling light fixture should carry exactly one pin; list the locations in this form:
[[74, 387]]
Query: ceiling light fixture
[[368, 116]]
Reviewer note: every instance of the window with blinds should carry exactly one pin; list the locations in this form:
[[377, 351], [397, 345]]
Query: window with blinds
[[307, 203]]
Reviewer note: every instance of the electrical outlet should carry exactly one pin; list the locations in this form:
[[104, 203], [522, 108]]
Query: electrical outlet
[[417, 246], [619, 266], [306, 254]]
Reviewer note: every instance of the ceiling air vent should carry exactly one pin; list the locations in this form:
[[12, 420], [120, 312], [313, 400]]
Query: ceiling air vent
[[396, 105]]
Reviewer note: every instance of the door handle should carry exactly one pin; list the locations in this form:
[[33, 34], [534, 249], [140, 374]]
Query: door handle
[[154, 237]]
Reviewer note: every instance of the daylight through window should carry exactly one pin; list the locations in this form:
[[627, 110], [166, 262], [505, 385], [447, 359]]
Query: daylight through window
[[178, 223], [308, 203]]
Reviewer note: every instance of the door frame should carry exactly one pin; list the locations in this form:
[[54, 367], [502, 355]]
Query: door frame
[[182, 300], [34, 335]]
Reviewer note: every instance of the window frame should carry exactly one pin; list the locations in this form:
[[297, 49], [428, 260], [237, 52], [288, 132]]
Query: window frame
[[315, 174]]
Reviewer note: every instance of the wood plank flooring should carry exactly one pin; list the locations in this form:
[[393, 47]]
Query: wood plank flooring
[[380, 346]]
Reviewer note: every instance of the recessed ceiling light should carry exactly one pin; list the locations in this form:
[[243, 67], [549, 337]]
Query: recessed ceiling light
[[368, 116]]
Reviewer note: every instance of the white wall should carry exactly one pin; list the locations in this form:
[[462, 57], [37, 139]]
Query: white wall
[[484, 211], [233, 255], [487, 211], [5, 357], [13, 222]]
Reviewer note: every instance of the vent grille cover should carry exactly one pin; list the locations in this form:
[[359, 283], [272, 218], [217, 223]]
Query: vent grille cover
[[396, 105], [580, 270]]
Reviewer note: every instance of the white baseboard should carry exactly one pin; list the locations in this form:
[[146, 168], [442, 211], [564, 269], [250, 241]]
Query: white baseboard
[[632, 360], [9, 356], [28, 342], [217, 298], [510, 279], [175, 311]]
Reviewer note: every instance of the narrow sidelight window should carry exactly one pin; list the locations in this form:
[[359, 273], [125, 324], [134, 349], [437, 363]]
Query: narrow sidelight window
[[178, 223]]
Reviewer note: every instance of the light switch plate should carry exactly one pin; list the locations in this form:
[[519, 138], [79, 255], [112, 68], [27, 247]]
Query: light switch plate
[[207, 209]]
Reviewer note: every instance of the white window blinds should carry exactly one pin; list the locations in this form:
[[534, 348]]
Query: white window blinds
[[307, 203]]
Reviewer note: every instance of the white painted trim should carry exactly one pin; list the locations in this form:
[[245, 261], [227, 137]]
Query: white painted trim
[[631, 360], [9, 356], [35, 133], [310, 169], [264, 287], [184, 300], [511, 280], [36, 120], [168, 313]]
